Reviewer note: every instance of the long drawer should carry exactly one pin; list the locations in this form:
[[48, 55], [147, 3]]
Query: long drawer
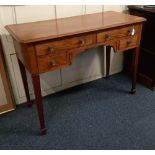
[[106, 36], [58, 46]]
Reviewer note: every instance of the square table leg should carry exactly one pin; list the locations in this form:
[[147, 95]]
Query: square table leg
[[25, 83], [37, 91], [135, 67], [108, 53]]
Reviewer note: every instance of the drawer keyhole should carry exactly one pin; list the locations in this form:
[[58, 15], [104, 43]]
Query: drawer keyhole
[[51, 49], [82, 42], [107, 37]]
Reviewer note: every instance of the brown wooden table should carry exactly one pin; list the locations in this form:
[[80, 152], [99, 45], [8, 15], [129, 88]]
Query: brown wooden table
[[45, 46]]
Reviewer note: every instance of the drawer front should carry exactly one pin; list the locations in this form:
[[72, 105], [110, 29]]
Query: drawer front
[[109, 35], [55, 47], [49, 63], [127, 43]]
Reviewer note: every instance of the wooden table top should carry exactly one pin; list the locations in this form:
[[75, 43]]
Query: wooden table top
[[50, 29]]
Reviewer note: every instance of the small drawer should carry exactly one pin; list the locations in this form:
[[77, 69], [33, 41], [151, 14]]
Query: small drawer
[[127, 43], [48, 62], [55, 47], [109, 35]]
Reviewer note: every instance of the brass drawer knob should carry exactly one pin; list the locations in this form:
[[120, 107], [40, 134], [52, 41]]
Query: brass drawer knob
[[132, 31], [51, 49], [82, 42], [129, 42], [53, 62], [107, 36]]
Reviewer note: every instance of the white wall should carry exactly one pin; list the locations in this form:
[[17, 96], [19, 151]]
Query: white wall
[[86, 66]]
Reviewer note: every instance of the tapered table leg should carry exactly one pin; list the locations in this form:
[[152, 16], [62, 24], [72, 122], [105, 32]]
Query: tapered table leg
[[37, 91], [108, 53], [135, 67], [25, 83]]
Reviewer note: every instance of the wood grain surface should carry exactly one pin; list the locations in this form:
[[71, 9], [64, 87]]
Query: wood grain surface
[[50, 29]]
